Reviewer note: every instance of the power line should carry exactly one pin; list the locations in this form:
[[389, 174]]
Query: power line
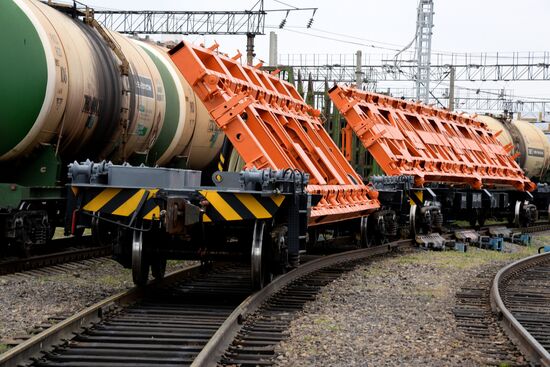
[[335, 39]]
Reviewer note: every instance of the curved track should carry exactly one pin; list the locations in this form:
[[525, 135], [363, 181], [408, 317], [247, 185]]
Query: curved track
[[191, 317], [520, 296]]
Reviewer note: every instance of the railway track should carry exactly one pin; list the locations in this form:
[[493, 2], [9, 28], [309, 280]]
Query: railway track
[[520, 296], [70, 254], [540, 227], [475, 319], [191, 317]]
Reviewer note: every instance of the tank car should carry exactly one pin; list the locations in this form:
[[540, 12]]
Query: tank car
[[526, 140], [72, 91], [532, 150]]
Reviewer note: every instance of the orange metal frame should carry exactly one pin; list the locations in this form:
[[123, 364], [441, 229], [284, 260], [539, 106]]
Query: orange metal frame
[[271, 126], [433, 145]]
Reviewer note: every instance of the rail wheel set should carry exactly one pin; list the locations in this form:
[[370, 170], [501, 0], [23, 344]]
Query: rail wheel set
[[227, 161]]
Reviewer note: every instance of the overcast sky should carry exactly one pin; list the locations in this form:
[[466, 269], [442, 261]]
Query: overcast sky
[[460, 26]]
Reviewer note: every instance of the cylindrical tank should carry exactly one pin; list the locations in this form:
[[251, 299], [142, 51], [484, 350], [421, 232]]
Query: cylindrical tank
[[527, 139], [61, 85]]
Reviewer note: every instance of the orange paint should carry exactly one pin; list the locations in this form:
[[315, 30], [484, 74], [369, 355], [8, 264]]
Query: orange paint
[[271, 126], [431, 144]]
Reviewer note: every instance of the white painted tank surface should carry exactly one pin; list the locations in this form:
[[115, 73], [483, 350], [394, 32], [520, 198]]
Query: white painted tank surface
[[62, 86], [528, 140]]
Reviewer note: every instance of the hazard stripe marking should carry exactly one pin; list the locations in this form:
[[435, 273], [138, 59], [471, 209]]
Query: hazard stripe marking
[[153, 213], [130, 205], [237, 205], [220, 205], [100, 200], [254, 206], [269, 204], [418, 194], [123, 196], [278, 199]]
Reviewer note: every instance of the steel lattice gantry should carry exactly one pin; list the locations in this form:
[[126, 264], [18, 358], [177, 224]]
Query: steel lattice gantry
[[514, 66], [249, 23], [424, 25], [386, 72], [184, 22]]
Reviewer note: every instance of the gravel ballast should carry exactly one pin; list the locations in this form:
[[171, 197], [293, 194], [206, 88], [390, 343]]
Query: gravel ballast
[[396, 311], [28, 301]]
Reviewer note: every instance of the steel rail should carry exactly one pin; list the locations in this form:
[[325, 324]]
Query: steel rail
[[52, 259], [531, 348], [66, 329], [224, 336]]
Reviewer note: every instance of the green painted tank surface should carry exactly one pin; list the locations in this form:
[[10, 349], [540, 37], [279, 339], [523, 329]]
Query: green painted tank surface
[[61, 86]]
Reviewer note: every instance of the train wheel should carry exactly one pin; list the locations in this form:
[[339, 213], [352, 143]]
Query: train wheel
[[279, 251], [103, 232], [517, 214], [482, 217], [140, 264], [259, 257], [413, 228], [364, 232], [23, 250], [158, 267], [473, 217]]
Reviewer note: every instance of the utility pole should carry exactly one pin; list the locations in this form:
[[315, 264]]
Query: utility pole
[[424, 25], [250, 48], [273, 49], [452, 89], [358, 71]]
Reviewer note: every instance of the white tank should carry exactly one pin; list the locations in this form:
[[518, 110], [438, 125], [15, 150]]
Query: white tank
[[62, 86], [527, 139]]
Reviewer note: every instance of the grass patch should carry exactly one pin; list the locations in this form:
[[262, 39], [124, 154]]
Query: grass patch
[[3, 348], [375, 271], [464, 260], [111, 280], [488, 222], [326, 323], [437, 291]]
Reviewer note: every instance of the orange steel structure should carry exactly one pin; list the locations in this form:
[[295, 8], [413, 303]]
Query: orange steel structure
[[271, 126], [433, 145]]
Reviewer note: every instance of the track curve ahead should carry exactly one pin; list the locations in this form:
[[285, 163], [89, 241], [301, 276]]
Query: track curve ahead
[[188, 318], [520, 296]]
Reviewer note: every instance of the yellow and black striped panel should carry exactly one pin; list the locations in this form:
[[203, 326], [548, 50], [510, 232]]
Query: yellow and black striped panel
[[419, 195], [226, 206], [221, 162], [122, 202]]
